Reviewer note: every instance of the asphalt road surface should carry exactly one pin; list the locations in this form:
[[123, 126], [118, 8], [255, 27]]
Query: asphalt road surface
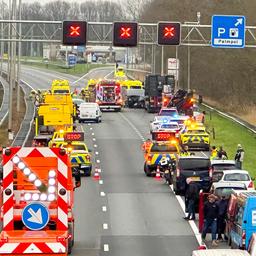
[[125, 213]]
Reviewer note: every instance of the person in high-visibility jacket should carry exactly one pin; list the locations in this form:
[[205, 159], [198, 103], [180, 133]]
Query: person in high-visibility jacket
[[146, 145], [214, 153], [185, 151]]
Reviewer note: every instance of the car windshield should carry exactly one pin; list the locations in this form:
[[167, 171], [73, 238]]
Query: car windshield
[[169, 112], [61, 91], [224, 166], [78, 102], [188, 164], [195, 131], [163, 148], [226, 191], [169, 126], [236, 177], [79, 147]]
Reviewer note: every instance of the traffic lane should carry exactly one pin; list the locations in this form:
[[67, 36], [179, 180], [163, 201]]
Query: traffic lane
[[148, 245], [88, 217], [141, 210], [141, 120], [42, 78]]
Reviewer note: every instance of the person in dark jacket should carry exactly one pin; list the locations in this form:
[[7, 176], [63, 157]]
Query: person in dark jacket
[[223, 205], [239, 157], [222, 154], [211, 211], [190, 197]]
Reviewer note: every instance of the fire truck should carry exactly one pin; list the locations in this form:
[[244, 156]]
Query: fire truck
[[37, 199], [108, 95]]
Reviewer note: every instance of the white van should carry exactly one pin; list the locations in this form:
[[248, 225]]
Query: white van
[[89, 111], [220, 252]]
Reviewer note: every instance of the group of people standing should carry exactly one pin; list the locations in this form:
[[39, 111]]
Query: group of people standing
[[215, 209], [222, 154]]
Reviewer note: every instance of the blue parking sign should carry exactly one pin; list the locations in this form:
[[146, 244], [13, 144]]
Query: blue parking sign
[[35, 216], [228, 31]]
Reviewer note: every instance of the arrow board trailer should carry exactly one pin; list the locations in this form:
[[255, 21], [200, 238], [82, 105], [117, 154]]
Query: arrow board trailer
[[36, 202]]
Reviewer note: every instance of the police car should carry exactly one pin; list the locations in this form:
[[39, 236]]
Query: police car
[[158, 120], [195, 137], [157, 151]]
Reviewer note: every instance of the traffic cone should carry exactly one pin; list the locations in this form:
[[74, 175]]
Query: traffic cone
[[158, 175], [96, 175]]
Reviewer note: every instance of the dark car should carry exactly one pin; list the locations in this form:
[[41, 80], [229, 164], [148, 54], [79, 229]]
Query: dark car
[[195, 167]]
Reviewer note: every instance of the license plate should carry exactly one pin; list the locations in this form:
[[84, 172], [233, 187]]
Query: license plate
[[195, 178]]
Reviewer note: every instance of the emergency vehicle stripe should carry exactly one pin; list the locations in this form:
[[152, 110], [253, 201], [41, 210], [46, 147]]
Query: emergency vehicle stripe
[[47, 152], [57, 247], [62, 223], [23, 152], [8, 247], [8, 199], [21, 247], [43, 247], [158, 159]]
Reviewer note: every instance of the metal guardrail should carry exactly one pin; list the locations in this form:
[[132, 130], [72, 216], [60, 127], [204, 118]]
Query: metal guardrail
[[4, 110], [26, 125], [231, 117]]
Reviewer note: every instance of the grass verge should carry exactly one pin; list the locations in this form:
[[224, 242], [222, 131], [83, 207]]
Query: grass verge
[[78, 69], [228, 134], [17, 118]]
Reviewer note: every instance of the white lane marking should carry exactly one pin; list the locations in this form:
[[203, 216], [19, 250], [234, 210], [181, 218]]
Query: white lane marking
[[95, 146], [97, 161], [93, 134], [100, 182], [104, 208], [93, 139], [133, 127], [107, 75], [105, 225], [88, 124], [106, 248], [203, 154], [191, 222], [102, 193], [96, 152], [99, 170], [90, 128]]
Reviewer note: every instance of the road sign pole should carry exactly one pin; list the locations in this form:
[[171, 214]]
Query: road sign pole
[[162, 61], [176, 80]]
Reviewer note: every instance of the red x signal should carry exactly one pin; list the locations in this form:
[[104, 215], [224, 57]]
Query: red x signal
[[125, 32], [169, 32], [74, 31]]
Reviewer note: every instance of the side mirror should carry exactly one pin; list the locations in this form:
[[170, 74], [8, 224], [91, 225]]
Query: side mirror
[[89, 150]]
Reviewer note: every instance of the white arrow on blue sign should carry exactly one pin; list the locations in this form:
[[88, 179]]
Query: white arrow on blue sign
[[35, 216], [228, 31]]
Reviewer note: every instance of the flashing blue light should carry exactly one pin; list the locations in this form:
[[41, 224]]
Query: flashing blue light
[[165, 120], [175, 115]]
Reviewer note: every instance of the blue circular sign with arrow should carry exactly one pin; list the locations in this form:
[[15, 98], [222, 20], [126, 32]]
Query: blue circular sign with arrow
[[35, 216]]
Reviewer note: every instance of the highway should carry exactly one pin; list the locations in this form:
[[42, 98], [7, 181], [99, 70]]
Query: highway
[[126, 213]]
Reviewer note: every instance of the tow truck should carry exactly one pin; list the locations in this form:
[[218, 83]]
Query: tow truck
[[37, 200], [60, 86]]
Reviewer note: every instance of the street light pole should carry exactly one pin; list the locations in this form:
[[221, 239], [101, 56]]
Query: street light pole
[[19, 68], [162, 61]]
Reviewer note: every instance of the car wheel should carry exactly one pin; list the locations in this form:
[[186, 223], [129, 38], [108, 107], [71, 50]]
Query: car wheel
[[147, 171], [97, 120], [88, 173], [79, 121]]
